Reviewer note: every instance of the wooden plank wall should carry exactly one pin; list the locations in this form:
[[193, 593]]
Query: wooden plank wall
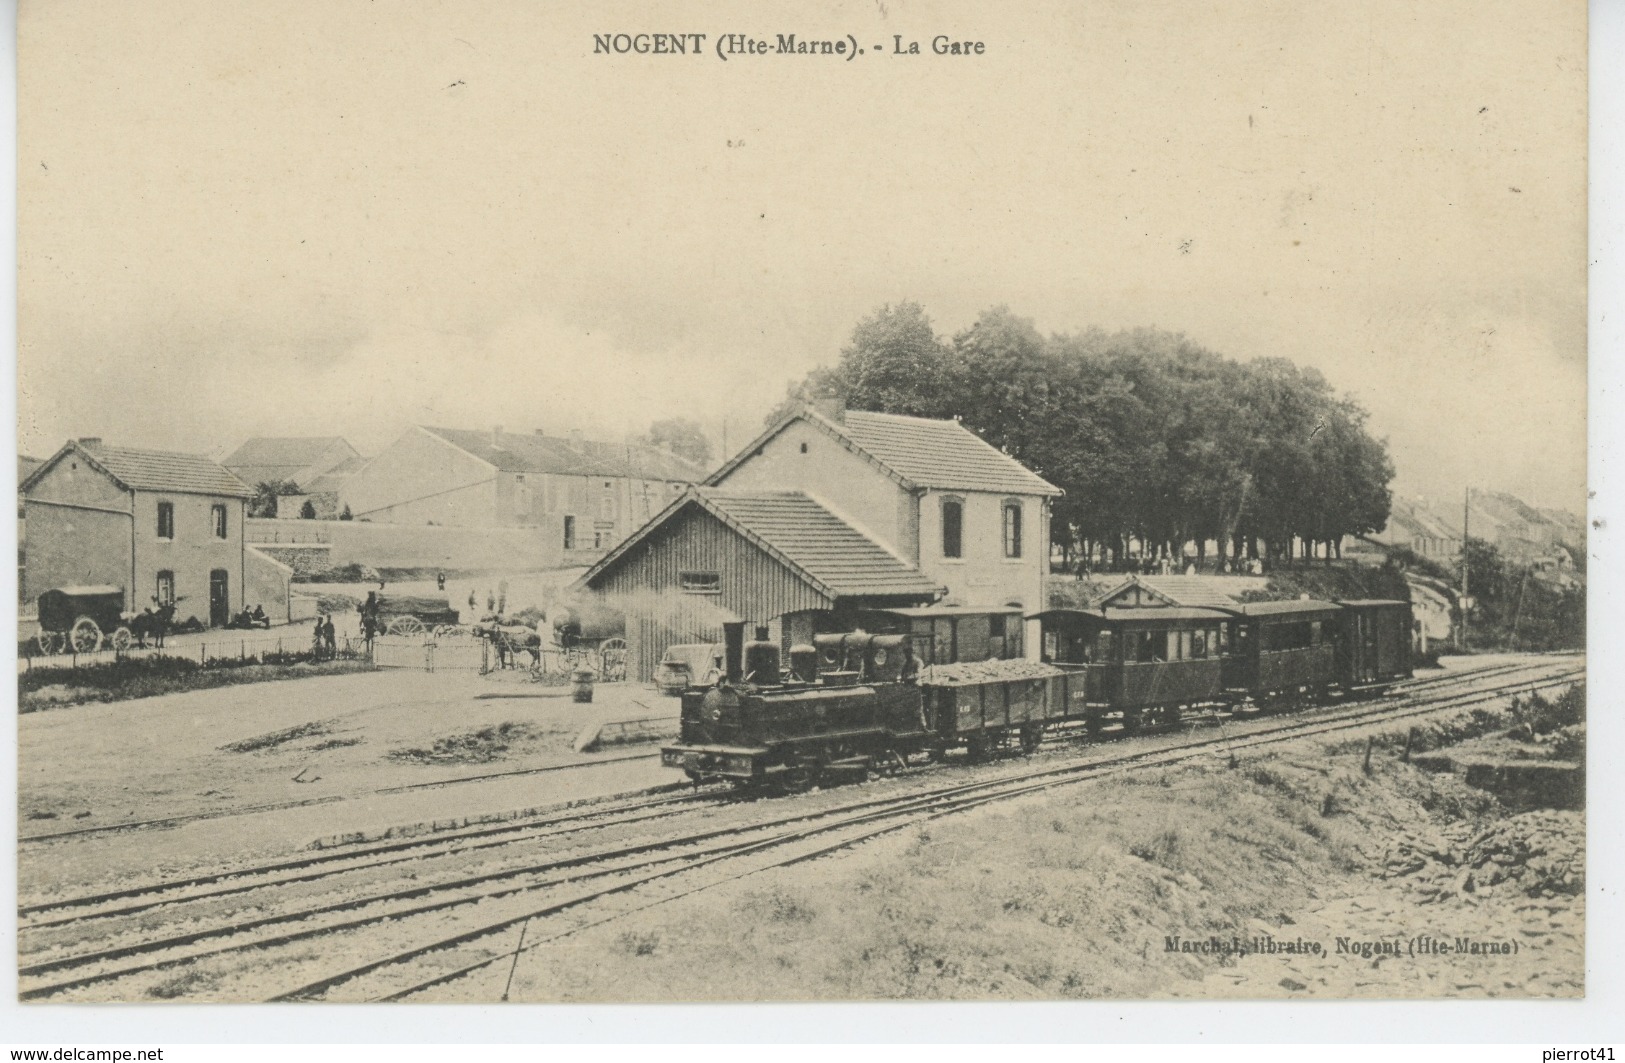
[[646, 584]]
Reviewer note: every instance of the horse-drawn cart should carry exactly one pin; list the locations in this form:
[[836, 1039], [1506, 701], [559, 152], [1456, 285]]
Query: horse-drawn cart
[[77, 619], [413, 615]]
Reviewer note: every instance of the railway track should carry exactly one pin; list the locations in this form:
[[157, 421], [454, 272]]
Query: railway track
[[568, 890]]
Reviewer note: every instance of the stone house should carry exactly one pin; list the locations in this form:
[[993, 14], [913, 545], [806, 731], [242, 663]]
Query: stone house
[[163, 527]]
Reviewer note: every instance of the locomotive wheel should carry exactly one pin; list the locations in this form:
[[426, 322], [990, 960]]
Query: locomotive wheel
[[86, 636], [408, 626], [800, 778], [121, 639]]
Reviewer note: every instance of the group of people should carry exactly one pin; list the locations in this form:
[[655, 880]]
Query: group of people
[[325, 643], [251, 618]]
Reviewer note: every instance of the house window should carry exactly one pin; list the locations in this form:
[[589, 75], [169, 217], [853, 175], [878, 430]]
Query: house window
[[219, 514], [700, 582], [166, 588], [1012, 529], [606, 508], [569, 533], [995, 626], [953, 527], [166, 520]]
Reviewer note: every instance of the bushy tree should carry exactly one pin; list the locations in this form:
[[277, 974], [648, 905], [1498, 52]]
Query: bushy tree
[[1155, 439], [682, 437]]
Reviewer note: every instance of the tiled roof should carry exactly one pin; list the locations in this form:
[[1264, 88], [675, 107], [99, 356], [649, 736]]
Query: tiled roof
[[517, 452], [917, 451], [157, 470], [1222, 592], [942, 454], [834, 553], [799, 532]]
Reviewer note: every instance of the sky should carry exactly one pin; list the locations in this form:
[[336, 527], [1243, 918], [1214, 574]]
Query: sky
[[344, 218]]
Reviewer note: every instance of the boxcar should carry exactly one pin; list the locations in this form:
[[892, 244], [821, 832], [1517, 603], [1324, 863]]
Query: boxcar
[[1375, 645]]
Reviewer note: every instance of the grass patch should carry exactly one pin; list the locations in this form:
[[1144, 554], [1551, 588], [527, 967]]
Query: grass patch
[[145, 677], [471, 747], [273, 739], [1071, 899]]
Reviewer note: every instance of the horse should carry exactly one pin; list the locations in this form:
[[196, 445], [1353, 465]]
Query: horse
[[153, 624]]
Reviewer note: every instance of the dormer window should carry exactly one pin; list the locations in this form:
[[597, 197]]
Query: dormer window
[[953, 527]]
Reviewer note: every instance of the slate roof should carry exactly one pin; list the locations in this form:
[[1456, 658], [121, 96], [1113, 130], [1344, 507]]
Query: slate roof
[[154, 470], [917, 451], [796, 529], [523, 453]]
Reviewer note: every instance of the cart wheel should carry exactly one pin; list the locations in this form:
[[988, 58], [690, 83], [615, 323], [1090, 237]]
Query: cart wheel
[[408, 626], [49, 642], [121, 639], [86, 636]]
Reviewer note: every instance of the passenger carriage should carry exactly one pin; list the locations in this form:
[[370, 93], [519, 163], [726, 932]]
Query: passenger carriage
[[1141, 666]]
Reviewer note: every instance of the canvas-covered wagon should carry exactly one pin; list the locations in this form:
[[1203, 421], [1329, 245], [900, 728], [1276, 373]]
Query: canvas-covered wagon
[[409, 615], [78, 619]]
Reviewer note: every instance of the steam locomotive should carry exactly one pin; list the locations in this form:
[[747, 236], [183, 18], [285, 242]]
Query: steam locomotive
[[862, 702]]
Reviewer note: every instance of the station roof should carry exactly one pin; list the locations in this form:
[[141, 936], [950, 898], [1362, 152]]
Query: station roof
[[927, 611], [1147, 614], [1368, 602], [915, 451], [1301, 606], [800, 533]]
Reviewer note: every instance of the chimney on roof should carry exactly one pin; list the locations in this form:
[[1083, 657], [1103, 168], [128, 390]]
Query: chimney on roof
[[496, 437], [90, 441], [834, 409]]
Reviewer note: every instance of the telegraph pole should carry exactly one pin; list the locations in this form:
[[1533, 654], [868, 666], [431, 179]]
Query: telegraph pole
[[1466, 511]]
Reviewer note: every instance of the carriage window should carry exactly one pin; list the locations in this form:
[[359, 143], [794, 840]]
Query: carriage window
[[1314, 633], [701, 582], [1103, 646], [1012, 529], [1149, 646], [1199, 644], [166, 520], [953, 527], [219, 514], [166, 588]]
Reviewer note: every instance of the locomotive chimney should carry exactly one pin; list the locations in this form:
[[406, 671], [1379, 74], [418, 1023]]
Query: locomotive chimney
[[733, 650]]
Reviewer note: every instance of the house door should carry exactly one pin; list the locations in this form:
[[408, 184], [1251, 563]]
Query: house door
[[219, 598]]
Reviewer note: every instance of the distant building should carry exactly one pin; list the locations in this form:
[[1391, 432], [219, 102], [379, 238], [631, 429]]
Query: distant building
[[1412, 524], [583, 495], [163, 527], [319, 465]]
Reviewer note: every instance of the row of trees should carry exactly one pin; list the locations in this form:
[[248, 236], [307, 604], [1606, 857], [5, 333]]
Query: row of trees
[[1154, 438]]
